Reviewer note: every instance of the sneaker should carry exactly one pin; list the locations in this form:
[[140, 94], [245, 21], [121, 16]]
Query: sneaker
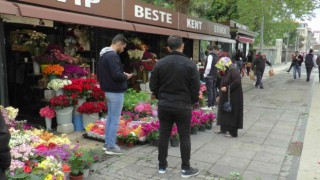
[[163, 170], [206, 108], [189, 173], [104, 147], [213, 107], [114, 151]]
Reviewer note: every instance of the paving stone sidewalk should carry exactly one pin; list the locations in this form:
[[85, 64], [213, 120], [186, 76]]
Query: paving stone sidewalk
[[267, 148]]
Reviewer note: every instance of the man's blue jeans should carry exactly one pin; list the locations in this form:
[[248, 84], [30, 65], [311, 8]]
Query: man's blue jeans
[[211, 90], [296, 69], [115, 104]]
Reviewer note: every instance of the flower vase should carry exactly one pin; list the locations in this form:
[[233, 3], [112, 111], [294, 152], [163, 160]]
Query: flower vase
[[194, 130], [174, 142], [48, 123], [52, 77], [36, 67], [86, 173], [59, 92], [89, 118]]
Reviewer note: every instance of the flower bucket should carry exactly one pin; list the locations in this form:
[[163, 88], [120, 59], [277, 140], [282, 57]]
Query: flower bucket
[[52, 77], [89, 118], [48, 123], [65, 128], [202, 128], [48, 94], [36, 67], [59, 92], [77, 122], [194, 130], [64, 116]]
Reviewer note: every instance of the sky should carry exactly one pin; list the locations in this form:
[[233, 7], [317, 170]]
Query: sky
[[314, 24]]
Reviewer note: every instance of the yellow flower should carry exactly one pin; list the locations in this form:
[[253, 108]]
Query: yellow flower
[[89, 126], [48, 177]]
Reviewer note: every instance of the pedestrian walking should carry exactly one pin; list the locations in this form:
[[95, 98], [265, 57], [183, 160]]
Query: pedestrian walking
[[297, 60], [239, 59], [249, 60], [210, 76], [113, 80], [5, 157], [318, 63], [175, 83], [310, 62], [231, 90], [259, 65]]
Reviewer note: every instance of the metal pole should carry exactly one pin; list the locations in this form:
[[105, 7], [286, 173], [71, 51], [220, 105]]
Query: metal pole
[[3, 68], [287, 48]]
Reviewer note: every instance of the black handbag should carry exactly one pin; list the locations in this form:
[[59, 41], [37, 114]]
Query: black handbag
[[227, 105]]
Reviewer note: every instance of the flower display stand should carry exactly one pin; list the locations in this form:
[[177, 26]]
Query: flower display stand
[[89, 118], [48, 123]]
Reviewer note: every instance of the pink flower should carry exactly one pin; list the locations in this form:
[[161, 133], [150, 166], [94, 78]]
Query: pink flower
[[47, 112]]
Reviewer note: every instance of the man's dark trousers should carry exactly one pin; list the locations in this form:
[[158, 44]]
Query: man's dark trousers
[[259, 79], [182, 118], [309, 70], [211, 91]]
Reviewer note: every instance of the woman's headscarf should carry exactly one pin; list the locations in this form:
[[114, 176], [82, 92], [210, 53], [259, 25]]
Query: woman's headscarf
[[224, 63]]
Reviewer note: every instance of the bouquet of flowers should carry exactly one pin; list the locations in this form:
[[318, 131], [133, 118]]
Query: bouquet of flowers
[[149, 64], [57, 84], [47, 112], [97, 94], [36, 39], [53, 69], [135, 55], [63, 58], [144, 109], [82, 87], [74, 71], [62, 101], [9, 114], [92, 107]]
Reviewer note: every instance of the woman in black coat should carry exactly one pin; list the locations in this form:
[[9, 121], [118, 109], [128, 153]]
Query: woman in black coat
[[230, 121], [5, 157]]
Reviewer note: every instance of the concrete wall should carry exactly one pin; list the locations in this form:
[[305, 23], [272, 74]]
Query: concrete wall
[[273, 53]]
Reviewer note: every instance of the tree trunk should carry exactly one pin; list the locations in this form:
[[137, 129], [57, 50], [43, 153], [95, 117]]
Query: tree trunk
[[182, 6]]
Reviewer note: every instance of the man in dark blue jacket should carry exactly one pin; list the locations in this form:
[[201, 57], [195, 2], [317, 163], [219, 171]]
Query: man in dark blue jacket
[[113, 80], [175, 82]]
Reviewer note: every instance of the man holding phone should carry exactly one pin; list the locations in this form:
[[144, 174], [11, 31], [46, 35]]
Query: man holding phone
[[113, 80]]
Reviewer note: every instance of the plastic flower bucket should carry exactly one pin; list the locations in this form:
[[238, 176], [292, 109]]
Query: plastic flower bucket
[[77, 122], [64, 116], [89, 118]]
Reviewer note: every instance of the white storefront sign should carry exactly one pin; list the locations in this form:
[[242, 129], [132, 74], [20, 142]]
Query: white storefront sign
[[87, 3], [154, 15]]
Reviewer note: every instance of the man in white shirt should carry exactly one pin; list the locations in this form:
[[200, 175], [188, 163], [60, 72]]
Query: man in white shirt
[[210, 75]]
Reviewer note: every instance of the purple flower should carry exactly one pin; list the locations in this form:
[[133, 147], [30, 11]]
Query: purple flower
[[73, 71]]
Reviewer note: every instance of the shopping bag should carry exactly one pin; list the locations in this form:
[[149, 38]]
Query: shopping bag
[[271, 72], [251, 75]]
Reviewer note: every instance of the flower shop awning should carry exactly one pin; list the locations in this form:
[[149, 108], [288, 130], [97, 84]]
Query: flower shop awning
[[56, 15], [158, 30], [244, 39], [202, 37], [8, 8]]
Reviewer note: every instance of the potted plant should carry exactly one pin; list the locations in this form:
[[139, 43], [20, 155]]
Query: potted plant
[[79, 160], [131, 139], [153, 137], [211, 118], [97, 155], [48, 113], [143, 109], [174, 137], [121, 139], [195, 123], [90, 111]]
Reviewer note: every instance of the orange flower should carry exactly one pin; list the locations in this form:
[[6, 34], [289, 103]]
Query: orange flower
[[53, 69], [66, 168]]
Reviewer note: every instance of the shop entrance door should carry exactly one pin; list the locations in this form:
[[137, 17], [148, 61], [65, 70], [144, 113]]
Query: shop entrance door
[[3, 68]]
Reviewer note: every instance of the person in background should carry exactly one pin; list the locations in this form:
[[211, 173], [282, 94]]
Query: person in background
[[175, 82], [113, 80], [239, 59], [5, 157], [249, 60], [231, 80], [296, 62], [259, 65], [210, 76], [310, 62]]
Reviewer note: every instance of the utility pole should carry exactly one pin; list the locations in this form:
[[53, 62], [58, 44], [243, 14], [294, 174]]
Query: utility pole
[[262, 28], [288, 35]]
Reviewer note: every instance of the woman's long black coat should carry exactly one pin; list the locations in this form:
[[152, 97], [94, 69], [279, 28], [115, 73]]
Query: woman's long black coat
[[235, 117]]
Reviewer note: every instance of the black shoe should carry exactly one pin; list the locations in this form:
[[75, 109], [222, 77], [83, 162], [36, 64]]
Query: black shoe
[[261, 88], [189, 173]]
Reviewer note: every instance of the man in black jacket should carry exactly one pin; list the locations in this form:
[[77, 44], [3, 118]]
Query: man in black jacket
[[310, 62], [113, 80], [5, 157], [259, 65], [175, 82]]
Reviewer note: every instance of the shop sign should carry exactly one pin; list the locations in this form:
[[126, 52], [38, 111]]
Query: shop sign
[[137, 11], [219, 30], [105, 8], [188, 23]]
